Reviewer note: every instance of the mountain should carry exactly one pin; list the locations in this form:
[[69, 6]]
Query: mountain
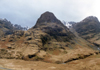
[[89, 29], [88, 25], [7, 28], [49, 24], [49, 41]]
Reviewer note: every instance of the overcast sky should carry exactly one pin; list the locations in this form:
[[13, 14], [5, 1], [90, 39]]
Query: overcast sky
[[26, 12]]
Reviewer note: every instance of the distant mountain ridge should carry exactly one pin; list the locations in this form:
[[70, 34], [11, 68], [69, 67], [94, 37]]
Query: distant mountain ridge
[[6, 27], [19, 27]]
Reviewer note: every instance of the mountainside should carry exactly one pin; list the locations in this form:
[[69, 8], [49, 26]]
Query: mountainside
[[49, 40], [89, 28]]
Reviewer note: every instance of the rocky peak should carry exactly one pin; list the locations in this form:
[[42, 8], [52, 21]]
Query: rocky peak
[[47, 17]]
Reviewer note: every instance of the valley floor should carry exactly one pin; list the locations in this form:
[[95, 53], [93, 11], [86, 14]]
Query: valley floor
[[89, 63]]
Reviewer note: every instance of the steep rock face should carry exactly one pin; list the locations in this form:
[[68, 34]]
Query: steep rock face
[[48, 23]]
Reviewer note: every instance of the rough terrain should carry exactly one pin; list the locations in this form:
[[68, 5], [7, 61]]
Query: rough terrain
[[49, 45]]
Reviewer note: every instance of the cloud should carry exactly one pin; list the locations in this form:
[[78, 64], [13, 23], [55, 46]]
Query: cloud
[[26, 12]]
